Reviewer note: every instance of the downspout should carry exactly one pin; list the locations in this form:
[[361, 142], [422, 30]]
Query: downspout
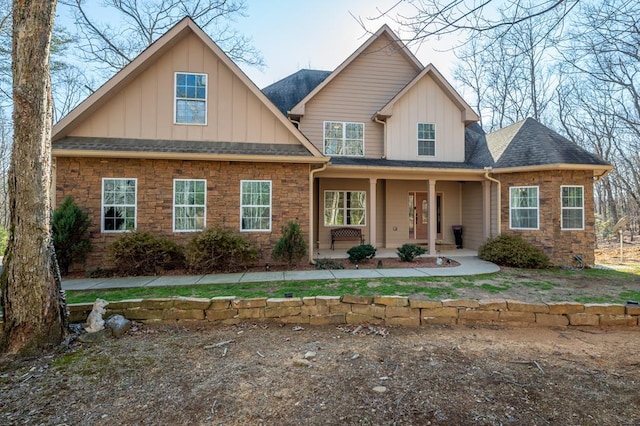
[[311, 209], [487, 170], [384, 135]]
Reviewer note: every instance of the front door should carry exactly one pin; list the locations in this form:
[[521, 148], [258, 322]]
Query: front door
[[419, 215]]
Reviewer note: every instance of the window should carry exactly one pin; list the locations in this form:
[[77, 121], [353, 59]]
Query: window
[[426, 139], [255, 205], [118, 204], [344, 208], [523, 207], [189, 202], [343, 138], [191, 98], [572, 198]]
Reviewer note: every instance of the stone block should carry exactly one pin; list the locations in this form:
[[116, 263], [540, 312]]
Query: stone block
[[314, 310], [124, 304], [191, 303], [424, 304], [402, 312], [143, 314], [183, 314], [632, 309], [618, 320], [309, 301], [251, 313], [564, 308], [328, 319], [285, 301], [584, 318], [461, 303], [81, 307], [160, 303], [327, 300], [369, 310], [222, 302], [518, 306], [492, 305], [342, 308], [354, 318], [357, 300], [403, 321], [282, 311], [603, 309], [445, 311], [520, 317], [77, 316], [476, 315], [398, 301], [549, 320], [439, 321], [257, 302], [219, 314]]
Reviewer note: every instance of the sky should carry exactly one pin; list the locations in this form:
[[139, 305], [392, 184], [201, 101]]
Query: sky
[[321, 34]]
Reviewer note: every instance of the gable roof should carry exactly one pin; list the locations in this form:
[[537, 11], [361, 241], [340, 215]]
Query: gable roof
[[144, 60], [299, 108], [286, 93], [468, 114], [528, 143]]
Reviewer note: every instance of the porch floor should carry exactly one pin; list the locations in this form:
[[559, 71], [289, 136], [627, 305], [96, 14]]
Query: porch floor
[[386, 253]]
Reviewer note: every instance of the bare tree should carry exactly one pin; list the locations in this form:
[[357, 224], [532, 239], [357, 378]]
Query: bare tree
[[109, 47], [34, 316]]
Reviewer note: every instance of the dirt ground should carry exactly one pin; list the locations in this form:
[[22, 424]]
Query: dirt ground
[[271, 374], [369, 375]]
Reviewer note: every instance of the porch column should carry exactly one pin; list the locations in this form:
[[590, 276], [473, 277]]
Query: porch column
[[372, 211], [486, 209], [433, 230]]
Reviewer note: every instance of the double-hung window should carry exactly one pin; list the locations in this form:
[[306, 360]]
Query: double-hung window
[[344, 208], [255, 205], [189, 204], [524, 207], [343, 139], [118, 204], [572, 199], [191, 98], [426, 139]]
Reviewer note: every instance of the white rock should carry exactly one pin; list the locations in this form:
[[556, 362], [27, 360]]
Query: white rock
[[380, 389], [310, 355], [302, 363]]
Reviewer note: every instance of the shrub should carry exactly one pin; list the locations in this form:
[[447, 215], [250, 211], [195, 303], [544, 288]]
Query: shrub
[[408, 252], [220, 250], [362, 252], [328, 264], [512, 250], [70, 234], [4, 235], [291, 248], [141, 253]]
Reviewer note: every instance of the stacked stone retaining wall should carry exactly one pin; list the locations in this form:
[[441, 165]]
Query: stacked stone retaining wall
[[383, 310]]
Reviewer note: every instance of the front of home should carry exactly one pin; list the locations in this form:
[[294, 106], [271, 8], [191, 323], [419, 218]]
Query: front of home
[[181, 139]]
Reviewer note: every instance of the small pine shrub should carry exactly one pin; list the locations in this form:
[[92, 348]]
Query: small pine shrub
[[512, 250], [408, 252], [220, 250], [360, 253], [328, 264], [291, 248], [142, 253], [71, 237]]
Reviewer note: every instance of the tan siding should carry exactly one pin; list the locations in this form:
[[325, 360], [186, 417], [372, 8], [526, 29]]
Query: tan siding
[[426, 102], [472, 215], [451, 214], [361, 89], [145, 107]]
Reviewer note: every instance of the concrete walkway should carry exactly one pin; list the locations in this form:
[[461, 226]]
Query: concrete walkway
[[468, 266]]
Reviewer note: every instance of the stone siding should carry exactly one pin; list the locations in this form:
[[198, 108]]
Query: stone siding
[[82, 179]]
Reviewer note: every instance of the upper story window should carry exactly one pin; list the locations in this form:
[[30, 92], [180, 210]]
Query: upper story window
[[255, 205], [189, 204], [118, 204], [524, 207], [191, 98], [426, 139], [572, 198], [343, 139]]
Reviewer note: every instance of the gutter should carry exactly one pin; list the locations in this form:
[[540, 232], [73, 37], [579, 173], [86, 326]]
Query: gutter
[[311, 178], [488, 170], [384, 135]]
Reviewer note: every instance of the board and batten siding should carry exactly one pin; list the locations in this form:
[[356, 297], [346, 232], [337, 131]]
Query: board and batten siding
[[144, 109], [472, 221], [425, 102], [356, 93]]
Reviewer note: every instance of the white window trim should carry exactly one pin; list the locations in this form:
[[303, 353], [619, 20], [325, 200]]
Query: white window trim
[[270, 205], [435, 145], [324, 207], [562, 209], [204, 225], [344, 137], [102, 206], [175, 98], [537, 228]]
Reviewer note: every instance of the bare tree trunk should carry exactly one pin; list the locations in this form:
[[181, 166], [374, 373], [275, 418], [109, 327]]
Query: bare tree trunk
[[33, 316]]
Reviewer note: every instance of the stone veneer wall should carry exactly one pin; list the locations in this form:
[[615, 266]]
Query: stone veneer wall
[[384, 310], [560, 245], [82, 179]]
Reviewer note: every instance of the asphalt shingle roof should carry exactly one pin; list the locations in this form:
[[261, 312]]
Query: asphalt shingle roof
[[286, 93], [186, 147]]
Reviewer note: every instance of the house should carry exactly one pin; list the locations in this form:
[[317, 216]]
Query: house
[[181, 139]]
